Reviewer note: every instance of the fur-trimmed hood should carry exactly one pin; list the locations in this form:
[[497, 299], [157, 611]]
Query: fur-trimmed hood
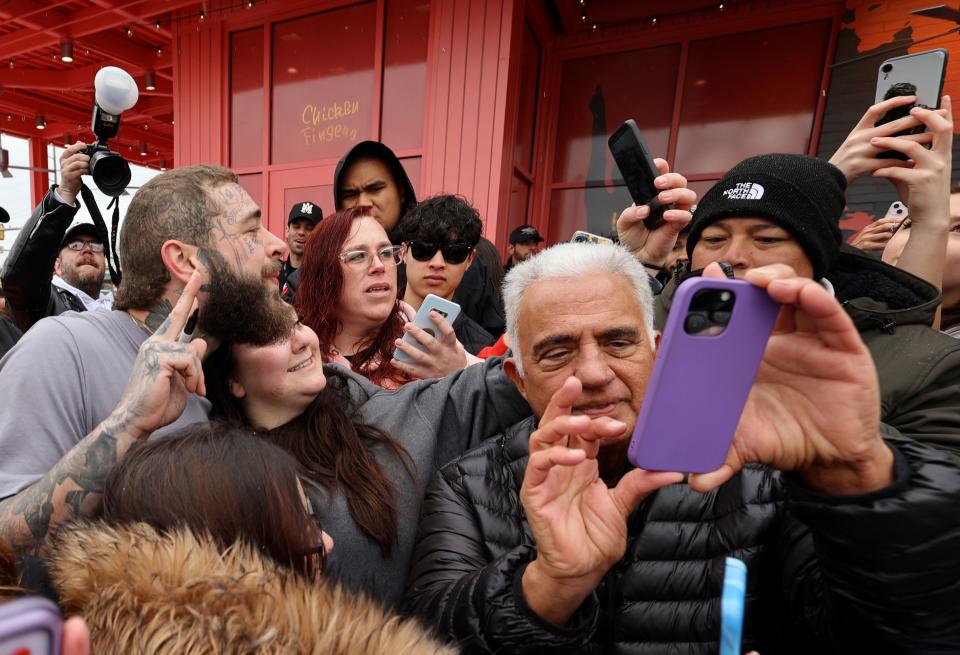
[[142, 591]]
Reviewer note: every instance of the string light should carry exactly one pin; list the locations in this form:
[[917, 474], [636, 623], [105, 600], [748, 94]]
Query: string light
[[203, 15], [129, 32]]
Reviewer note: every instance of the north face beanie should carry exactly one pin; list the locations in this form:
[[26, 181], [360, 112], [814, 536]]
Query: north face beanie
[[803, 195]]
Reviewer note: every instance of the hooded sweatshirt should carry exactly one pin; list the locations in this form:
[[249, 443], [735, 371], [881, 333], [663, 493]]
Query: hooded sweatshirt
[[142, 591]]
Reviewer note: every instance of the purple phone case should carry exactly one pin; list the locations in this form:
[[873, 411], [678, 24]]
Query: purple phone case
[[700, 384], [28, 616]]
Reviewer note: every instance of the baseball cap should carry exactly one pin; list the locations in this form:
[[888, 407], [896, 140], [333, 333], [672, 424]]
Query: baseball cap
[[306, 210], [82, 228], [525, 233]]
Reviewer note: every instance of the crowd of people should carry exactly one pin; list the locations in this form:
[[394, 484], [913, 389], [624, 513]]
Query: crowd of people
[[227, 454]]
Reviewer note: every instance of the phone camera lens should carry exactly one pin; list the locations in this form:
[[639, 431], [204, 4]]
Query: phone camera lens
[[887, 68], [695, 323], [720, 317]]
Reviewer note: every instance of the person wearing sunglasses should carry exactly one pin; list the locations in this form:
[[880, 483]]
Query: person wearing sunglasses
[[441, 235], [348, 294], [54, 266]]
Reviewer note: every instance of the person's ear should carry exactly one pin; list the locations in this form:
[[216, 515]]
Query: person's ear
[[656, 341], [179, 258], [56, 267], [236, 389], [510, 368], [473, 255]]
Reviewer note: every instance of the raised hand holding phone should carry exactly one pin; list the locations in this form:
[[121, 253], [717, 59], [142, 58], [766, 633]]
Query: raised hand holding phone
[[430, 349], [711, 347], [815, 405], [650, 242]]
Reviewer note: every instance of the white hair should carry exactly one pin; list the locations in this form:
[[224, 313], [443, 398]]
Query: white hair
[[576, 261]]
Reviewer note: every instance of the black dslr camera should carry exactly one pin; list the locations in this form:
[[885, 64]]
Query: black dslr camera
[[115, 92]]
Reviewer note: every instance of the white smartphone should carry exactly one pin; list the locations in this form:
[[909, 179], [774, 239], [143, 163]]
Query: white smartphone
[[449, 310], [921, 73], [897, 210], [586, 237]]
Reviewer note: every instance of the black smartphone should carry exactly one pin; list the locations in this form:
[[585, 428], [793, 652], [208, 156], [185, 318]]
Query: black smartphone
[[638, 171], [919, 74]]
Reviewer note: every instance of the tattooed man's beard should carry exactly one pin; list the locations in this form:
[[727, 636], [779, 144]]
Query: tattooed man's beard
[[243, 310]]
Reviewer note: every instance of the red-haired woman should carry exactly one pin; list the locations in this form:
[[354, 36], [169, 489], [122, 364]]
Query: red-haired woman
[[348, 295]]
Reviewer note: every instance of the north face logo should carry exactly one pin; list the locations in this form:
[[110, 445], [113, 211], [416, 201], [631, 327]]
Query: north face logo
[[744, 191], [307, 207]]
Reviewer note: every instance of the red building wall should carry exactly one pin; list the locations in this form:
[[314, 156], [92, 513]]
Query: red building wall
[[464, 101]]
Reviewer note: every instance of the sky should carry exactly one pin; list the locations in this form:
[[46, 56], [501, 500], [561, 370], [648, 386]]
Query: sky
[[15, 191]]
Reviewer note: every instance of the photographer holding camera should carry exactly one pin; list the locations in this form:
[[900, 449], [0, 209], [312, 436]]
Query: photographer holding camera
[[51, 269]]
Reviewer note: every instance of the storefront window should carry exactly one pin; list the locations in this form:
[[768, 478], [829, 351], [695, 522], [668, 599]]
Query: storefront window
[[747, 94], [594, 209], [246, 98], [323, 83], [599, 93], [527, 111], [404, 73]]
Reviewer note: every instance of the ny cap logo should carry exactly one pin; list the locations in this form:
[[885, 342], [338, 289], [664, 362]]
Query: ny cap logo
[[744, 191], [306, 207]]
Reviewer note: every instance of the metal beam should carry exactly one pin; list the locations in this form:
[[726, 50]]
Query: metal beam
[[75, 25], [58, 112]]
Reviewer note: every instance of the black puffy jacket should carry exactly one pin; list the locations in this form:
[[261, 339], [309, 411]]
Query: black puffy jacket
[[877, 573]]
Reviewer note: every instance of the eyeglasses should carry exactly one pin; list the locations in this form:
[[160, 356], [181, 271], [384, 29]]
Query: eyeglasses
[[453, 253], [361, 258], [78, 245]]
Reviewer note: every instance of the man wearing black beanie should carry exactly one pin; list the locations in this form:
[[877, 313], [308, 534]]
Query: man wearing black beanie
[[802, 195], [785, 209]]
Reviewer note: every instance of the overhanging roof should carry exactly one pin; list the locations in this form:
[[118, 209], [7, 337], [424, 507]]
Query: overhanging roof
[[133, 34]]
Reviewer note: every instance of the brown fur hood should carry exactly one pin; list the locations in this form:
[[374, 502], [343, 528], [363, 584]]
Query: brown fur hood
[[146, 592]]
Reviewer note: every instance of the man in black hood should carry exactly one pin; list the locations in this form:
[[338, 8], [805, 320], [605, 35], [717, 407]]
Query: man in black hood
[[370, 174]]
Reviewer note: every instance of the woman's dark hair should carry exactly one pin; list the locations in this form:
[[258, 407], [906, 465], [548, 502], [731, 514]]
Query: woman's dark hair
[[331, 444], [220, 479], [321, 280]]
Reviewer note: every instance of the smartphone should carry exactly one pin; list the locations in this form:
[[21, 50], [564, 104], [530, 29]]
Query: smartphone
[[897, 210], [586, 237], [731, 606], [449, 310], [30, 626], [921, 74], [638, 171], [709, 354]]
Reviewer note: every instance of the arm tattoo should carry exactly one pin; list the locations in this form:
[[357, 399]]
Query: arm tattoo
[[71, 489]]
